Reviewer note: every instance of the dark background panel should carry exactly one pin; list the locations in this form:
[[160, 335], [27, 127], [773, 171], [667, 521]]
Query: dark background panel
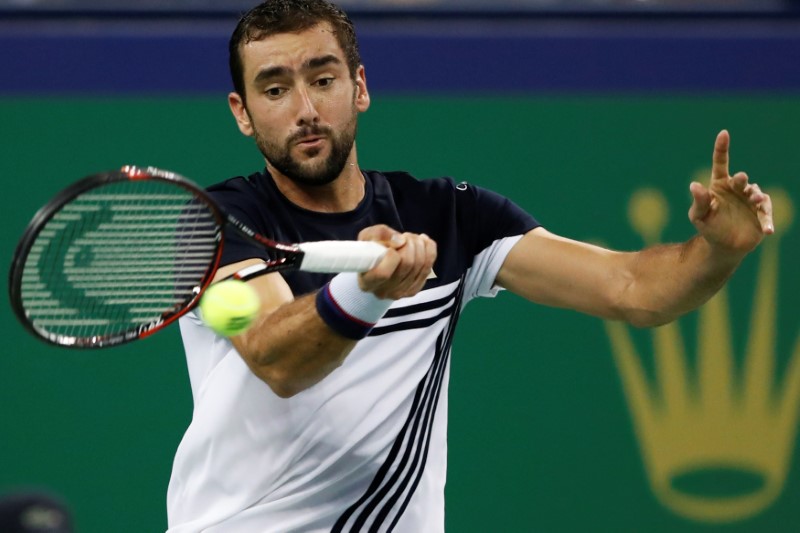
[[421, 54]]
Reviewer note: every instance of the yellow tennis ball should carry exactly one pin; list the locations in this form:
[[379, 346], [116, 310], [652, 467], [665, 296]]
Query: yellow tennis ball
[[229, 307]]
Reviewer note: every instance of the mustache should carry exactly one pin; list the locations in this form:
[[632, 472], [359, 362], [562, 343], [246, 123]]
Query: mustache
[[308, 131]]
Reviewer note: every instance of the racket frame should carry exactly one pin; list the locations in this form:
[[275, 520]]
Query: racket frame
[[134, 173]]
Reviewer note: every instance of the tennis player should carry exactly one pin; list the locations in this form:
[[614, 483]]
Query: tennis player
[[330, 414]]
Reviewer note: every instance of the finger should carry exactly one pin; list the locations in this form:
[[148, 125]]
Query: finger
[[701, 202], [756, 196], [383, 234], [426, 255], [422, 254], [425, 259], [753, 192], [397, 241], [430, 257], [412, 283], [719, 167], [763, 205], [406, 269], [385, 268], [739, 182]]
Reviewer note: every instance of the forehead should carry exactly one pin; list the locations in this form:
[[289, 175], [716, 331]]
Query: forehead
[[290, 50]]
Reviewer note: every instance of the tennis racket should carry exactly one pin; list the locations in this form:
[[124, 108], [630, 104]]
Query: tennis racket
[[119, 255]]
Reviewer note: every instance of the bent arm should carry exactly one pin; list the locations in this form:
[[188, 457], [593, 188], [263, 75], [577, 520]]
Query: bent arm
[[289, 346], [645, 288]]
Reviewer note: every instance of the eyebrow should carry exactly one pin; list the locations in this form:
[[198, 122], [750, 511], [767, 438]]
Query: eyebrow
[[311, 64], [317, 62]]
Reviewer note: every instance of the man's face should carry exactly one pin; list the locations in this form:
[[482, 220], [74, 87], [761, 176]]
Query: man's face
[[301, 103]]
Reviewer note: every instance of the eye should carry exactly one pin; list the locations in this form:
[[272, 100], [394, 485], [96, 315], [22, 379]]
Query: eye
[[274, 92], [324, 82]]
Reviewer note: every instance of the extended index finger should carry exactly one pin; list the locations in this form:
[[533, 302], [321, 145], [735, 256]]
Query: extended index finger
[[719, 167]]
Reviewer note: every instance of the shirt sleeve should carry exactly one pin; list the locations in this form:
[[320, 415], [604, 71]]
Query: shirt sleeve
[[499, 217], [497, 225], [489, 217]]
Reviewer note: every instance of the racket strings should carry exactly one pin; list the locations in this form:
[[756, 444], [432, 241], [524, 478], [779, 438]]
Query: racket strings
[[119, 257]]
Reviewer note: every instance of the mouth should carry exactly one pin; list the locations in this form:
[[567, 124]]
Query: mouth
[[311, 141]]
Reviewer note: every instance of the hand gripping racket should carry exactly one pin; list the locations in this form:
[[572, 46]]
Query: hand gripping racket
[[120, 255]]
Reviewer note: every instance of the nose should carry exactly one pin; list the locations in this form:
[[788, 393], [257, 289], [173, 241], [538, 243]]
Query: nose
[[307, 113]]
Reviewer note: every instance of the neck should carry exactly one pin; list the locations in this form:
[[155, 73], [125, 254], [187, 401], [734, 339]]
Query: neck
[[339, 196]]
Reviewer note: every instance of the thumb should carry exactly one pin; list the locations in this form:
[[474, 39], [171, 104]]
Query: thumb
[[701, 202], [383, 234]]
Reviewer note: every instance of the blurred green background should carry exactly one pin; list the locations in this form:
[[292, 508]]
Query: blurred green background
[[540, 436]]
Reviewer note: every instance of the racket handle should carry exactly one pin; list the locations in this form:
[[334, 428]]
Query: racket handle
[[340, 256]]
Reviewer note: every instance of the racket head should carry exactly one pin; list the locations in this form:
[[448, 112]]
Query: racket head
[[115, 257]]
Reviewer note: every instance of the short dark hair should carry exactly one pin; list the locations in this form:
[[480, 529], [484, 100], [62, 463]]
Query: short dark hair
[[289, 16]]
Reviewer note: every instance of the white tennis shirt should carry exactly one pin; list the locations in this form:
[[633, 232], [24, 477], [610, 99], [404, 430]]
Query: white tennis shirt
[[364, 449]]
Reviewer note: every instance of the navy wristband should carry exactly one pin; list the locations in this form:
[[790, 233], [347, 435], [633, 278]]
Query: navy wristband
[[348, 310], [337, 319]]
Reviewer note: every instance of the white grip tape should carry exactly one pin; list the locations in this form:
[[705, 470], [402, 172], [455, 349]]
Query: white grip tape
[[340, 256]]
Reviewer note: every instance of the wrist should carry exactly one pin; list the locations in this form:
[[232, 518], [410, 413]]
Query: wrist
[[347, 309], [717, 253]]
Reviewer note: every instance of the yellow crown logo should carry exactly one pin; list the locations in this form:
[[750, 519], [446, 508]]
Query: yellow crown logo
[[713, 417]]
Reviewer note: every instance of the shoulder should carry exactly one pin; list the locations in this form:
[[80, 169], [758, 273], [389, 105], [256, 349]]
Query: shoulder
[[237, 185], [404, 180], [242, 195], [401, 181], [402, 185]]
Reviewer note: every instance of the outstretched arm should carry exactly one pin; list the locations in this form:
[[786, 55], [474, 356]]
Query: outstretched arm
[[655, 285]]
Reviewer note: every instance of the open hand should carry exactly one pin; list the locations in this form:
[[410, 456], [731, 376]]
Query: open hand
[[731, 213]]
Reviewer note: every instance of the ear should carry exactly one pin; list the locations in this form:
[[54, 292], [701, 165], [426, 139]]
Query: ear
[[239, 111], [362, 95]]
